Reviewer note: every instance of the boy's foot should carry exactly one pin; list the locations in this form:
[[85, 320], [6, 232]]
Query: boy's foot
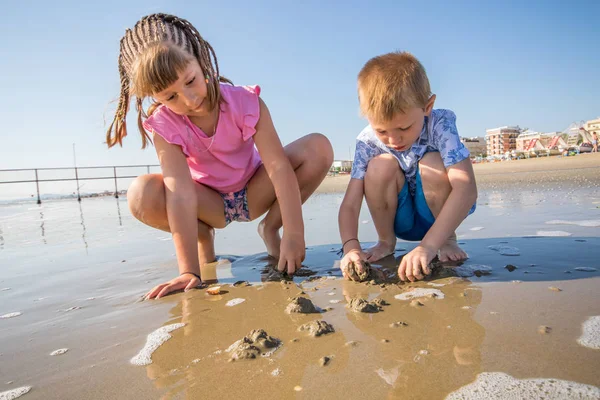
[[271, 238], [450, 251], [379, 251]]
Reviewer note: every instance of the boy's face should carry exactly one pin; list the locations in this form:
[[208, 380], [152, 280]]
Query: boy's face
[[404, 128]]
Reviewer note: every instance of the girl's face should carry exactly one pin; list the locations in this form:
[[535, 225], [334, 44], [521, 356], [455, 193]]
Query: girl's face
[[187, 95]]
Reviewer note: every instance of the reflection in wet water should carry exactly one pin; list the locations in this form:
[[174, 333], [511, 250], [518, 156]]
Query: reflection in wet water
[[42, 227], [83, 228], [119, 212]]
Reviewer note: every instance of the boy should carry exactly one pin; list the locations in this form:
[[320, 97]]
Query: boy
[[410, 165]]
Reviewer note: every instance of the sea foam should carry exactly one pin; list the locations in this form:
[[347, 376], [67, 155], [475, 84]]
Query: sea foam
[[420, 292], [153, 342], [591, 333], [14, 393], [498, 385]]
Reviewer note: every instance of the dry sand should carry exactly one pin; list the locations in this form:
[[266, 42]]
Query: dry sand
[[583, 169]]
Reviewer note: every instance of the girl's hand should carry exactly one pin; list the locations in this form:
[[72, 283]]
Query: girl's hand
[[184, 281], [291, 252], [416, 263], [353, 256]]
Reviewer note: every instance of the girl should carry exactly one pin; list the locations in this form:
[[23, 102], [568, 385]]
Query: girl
[[220, 155]]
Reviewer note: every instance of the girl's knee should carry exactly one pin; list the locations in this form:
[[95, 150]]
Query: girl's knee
[[321, 149], [146, 192]]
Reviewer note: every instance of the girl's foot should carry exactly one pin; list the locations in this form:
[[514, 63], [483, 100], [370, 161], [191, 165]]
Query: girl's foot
[[450, 251], [271, 238], [380, 250]]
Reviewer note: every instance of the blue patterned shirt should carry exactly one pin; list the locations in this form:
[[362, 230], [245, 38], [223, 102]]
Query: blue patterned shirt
[[439, 134]]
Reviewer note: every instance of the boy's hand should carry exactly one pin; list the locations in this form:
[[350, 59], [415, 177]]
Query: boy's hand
[[185, 281], [291, 252], [355, 256], [416, 263]]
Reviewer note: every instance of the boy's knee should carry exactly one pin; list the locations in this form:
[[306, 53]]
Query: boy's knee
[[432, 170], [145, 192], [383, 168]]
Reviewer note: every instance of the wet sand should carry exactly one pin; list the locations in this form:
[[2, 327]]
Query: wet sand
[[76, 273]]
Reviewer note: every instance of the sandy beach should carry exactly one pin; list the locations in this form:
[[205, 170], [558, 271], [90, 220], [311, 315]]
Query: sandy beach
[[577, 170], [521, 315]]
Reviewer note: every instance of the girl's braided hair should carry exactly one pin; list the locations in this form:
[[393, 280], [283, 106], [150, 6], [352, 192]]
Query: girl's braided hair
[[151, 56]]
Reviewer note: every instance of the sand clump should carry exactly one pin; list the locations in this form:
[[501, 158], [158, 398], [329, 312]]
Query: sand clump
[[153, 342], [14, 393], [301, 305], [544, 330], [590, 336], [256, 343], [359, 274], [361, 305], [317, 328], [498, 385], [323, 361]]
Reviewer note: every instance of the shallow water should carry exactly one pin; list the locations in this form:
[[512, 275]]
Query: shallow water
[[77, 271]]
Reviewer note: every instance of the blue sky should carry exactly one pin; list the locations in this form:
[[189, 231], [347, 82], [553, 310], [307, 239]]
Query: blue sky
[[533, 63]]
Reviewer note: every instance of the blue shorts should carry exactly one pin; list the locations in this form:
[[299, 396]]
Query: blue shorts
[[413, 217]]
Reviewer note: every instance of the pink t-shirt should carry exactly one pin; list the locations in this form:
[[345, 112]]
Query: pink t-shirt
[[228, 161]]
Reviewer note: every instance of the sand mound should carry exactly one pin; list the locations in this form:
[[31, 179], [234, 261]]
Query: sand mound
[[153, 342], [498, 385], [591, 333]]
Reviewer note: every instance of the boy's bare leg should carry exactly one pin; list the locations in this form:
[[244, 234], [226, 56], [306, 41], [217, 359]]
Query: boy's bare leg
[[383, 182], [436, 188]]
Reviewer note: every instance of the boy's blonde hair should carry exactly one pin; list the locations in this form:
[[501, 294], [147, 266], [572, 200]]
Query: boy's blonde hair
[[392, 83], [151, 57]]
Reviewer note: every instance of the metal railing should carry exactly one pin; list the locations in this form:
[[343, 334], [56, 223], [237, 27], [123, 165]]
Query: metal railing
[[77, 178]]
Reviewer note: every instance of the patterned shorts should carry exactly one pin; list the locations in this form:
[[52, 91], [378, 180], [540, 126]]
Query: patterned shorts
[[236, 206]]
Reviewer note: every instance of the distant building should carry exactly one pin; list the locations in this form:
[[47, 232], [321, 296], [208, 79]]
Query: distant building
[[531, 141], [501, 140], [341, 166], [475, 145], [593, 125]]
